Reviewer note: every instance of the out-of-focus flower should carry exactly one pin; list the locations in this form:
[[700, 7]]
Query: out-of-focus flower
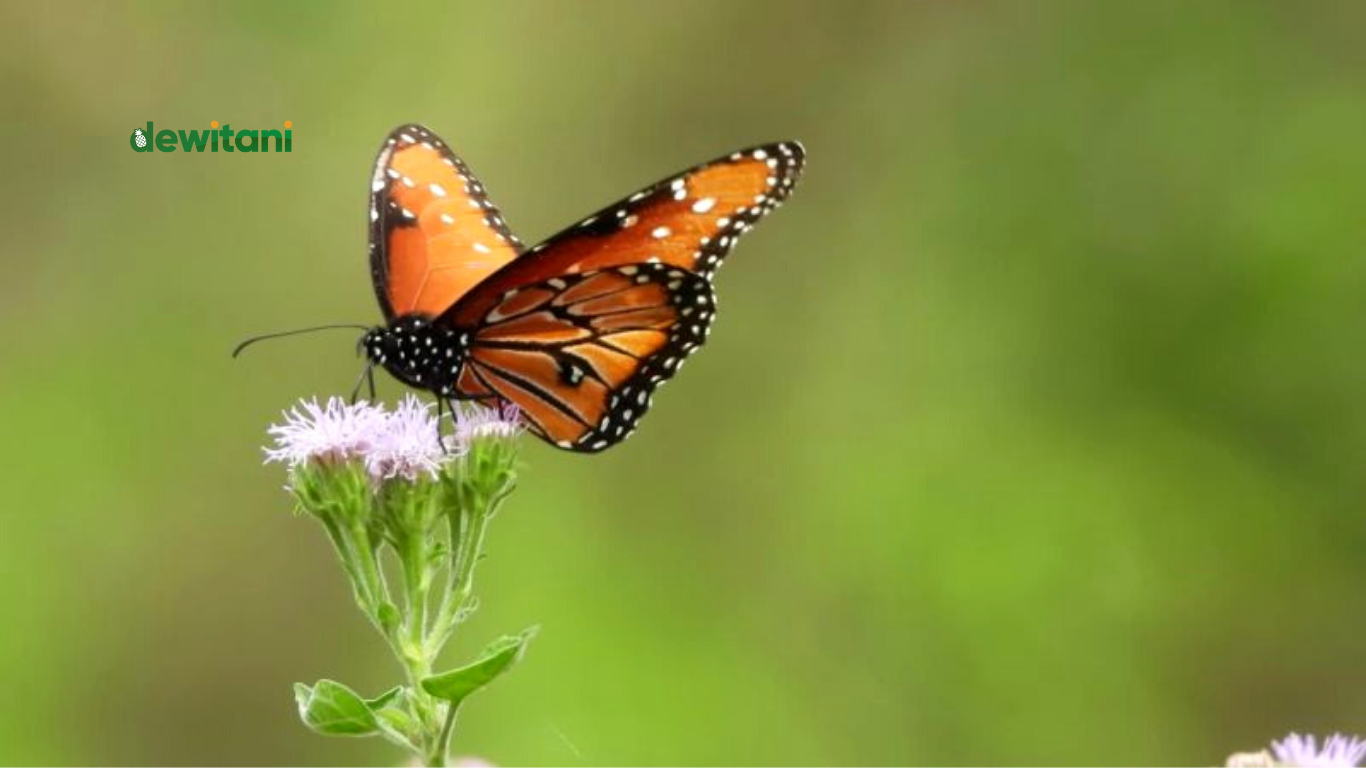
[[331, 433], [408, 445], [1261, 759], [1338, 751]]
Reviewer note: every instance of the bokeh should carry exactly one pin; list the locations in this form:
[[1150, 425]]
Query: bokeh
[[1031, 429]]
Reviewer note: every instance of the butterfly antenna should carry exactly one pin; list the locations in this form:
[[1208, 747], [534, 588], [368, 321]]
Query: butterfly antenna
[[238, 349]]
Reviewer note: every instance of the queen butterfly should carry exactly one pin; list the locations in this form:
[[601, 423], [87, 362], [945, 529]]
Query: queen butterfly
[[577, 331]]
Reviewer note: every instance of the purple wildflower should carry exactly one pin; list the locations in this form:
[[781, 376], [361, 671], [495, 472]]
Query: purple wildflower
[[331, 433], [473, 422], [1338, 751], [408, 445]]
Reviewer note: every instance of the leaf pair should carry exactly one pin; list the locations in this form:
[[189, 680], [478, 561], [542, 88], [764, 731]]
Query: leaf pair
[[333, 709]]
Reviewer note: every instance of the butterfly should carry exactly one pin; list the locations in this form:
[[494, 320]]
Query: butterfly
[[577, 331]]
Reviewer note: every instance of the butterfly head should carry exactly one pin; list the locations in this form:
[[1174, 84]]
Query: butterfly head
[[418, 353]]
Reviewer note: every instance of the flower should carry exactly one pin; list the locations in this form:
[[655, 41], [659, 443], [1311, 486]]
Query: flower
[[473, 422], [1261, 759], [408, 445], [403, 443], [1338, 751], [331, 433]]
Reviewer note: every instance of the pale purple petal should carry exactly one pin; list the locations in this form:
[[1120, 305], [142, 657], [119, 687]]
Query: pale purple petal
[[1338, 751], [473, 422], [408, 445], [335, 432]]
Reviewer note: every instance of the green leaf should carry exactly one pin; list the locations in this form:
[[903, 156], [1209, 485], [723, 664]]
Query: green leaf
[[399, 727], [497, 658], [333, 709], [395, 722], [379, 701], [389, 617]]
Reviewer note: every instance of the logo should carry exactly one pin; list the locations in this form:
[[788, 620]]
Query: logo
[[208, 141]]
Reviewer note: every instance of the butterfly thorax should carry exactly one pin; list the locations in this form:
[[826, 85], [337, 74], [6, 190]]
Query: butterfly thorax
[[418, 353]]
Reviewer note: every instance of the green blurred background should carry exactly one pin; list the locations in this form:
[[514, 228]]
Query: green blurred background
[[1031, 430]]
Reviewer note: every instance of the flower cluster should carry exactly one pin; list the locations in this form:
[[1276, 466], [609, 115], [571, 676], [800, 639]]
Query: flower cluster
[[387, 486], [1337, 751], [405, 442]]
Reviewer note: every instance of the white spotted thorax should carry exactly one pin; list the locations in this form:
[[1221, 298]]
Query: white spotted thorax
[[419, 354]]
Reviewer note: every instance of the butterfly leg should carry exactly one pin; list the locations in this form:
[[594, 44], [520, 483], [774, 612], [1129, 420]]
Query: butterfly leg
[[368, 373], [440, 418]]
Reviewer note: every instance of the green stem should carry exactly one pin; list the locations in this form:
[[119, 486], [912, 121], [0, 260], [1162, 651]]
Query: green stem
[[465, 558], [443, 743], [424, 704], [417, 631], [416, 582], [370, 573], [414, 655], [457, 527], [353, 555]]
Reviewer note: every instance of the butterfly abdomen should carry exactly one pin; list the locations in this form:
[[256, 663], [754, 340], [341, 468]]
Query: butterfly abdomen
[[418, 353]]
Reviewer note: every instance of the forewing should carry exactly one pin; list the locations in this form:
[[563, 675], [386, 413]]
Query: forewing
[[689, 222], [434, 233]]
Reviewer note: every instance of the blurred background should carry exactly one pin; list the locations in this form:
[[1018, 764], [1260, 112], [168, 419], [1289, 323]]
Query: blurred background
[[1031, 430]]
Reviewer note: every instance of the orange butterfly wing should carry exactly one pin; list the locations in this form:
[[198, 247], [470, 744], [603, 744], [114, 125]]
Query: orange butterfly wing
[[434, 233], [582, 354], [581, 329], [689, 221]]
